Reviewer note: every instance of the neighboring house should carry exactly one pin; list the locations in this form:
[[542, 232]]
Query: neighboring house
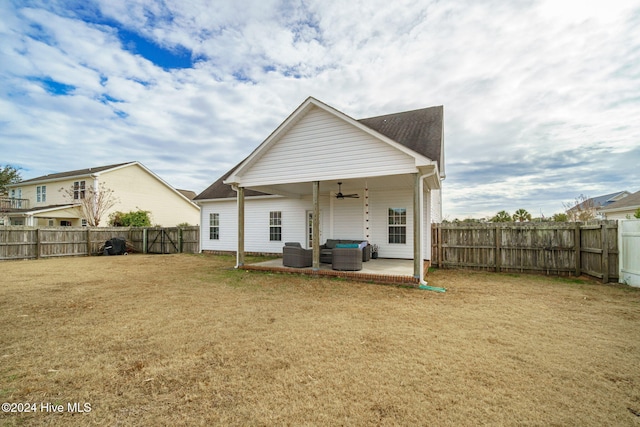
[[42, 201], [595, 204], [624, 208], [393, 163]]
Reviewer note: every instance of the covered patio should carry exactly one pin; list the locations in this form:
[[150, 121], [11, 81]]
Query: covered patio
[[381, 270]]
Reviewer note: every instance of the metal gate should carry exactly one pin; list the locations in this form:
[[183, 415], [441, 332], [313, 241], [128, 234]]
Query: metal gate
[[629, 241]]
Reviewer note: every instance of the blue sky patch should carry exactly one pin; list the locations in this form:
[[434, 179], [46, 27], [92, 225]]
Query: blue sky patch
[[177, 58], [53, 87]]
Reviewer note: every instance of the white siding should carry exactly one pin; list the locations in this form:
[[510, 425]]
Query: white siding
[[321, 146], [347, 221], [380, 202], [294, 225]]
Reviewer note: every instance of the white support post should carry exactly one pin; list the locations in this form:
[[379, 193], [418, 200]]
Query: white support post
[[240, 251], [417, 227], [315, 231]]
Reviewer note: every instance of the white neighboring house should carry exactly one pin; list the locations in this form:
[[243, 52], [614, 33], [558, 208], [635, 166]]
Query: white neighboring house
[[624, 208], [39, 201], [393, 163]]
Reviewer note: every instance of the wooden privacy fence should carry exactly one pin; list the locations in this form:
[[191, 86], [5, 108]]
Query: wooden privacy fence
[[543, 248], [29, 242]]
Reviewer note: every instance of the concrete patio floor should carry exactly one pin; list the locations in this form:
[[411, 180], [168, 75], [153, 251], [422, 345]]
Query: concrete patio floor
[[381, 270]]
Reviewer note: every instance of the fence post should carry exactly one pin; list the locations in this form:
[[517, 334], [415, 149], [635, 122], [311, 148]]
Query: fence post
[[37, 243], [180, 240], [605, 254], [144, 240], [440, 251], [88, 241], [498, 255], [577, 248]]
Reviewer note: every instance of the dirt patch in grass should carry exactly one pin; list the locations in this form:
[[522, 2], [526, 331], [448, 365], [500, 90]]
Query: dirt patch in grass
[[187, 340]]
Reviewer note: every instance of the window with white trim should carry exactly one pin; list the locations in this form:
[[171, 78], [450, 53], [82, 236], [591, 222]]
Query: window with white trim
[[214, 226], [275, 226], [398, 225], [78, 190], [41, 193]]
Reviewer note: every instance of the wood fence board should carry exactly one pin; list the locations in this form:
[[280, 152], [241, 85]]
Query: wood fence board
[[548, 248], [29, 242]]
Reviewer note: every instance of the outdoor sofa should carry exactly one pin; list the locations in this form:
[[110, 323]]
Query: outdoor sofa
[[326, 250]]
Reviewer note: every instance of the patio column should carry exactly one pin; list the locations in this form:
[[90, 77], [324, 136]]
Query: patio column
[[240, 252], [417, 227], [315, 226]]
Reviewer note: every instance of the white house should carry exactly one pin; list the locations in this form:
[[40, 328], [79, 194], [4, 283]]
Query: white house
[[624, 208], [322, 173]]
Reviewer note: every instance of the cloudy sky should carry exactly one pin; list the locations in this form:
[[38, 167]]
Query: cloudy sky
[[541, 97]]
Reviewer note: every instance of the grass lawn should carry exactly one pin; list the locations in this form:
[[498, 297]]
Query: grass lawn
[[187, 340]]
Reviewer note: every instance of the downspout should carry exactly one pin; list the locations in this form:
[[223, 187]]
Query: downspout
[[423, 284], [96, 196]]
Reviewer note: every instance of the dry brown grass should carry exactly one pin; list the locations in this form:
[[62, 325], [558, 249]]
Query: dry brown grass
[[185, 340]]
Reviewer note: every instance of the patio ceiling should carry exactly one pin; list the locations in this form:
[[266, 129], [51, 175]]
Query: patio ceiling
[[349, 185]]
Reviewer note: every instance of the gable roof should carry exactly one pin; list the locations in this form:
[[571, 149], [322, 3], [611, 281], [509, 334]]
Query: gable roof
[[630, 202], [70, 174], [599, 201], [80, 173], [420, 131]]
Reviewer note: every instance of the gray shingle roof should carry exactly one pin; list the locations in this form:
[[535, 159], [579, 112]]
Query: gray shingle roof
[[597, 202], [69, 174], [631, 201], [419, 130]]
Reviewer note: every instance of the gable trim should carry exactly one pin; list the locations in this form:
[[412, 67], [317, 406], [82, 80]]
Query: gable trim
[[235, 176]]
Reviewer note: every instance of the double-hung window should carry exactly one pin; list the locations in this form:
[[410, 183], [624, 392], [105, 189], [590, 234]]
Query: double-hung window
[[78, 190], [41, 193], [398, 225], [275, 226], [214, 226]]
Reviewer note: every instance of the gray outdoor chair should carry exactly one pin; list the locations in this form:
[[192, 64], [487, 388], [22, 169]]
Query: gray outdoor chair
[[347, 259], [294, 255]]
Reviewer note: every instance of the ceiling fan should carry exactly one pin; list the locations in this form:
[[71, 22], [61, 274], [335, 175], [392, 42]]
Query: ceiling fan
[[339, 195]]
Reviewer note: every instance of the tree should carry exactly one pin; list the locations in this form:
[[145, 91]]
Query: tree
[[502, 216], [560, 217], [522, 215], [94, 202], [137, 218], [636, 214], [582, 209], [8, 175]]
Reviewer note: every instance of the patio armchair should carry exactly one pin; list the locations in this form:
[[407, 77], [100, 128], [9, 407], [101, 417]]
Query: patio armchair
[[294, 255], [347, 259]]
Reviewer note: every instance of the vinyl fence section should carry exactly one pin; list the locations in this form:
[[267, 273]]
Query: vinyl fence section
[[629, 238], [544, 248], [33, 243]]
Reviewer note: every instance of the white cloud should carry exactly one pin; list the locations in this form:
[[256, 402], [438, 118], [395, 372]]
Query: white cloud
[[541, 97]]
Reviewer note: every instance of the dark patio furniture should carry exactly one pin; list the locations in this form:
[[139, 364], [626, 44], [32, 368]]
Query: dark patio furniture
[[294, 255], [347, 259], [326, 250]]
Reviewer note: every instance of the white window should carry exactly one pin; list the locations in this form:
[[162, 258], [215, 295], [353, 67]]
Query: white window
[[398, 225], [84, 222], [78, 190], [275, 226], [214, 226], [41, 193]]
